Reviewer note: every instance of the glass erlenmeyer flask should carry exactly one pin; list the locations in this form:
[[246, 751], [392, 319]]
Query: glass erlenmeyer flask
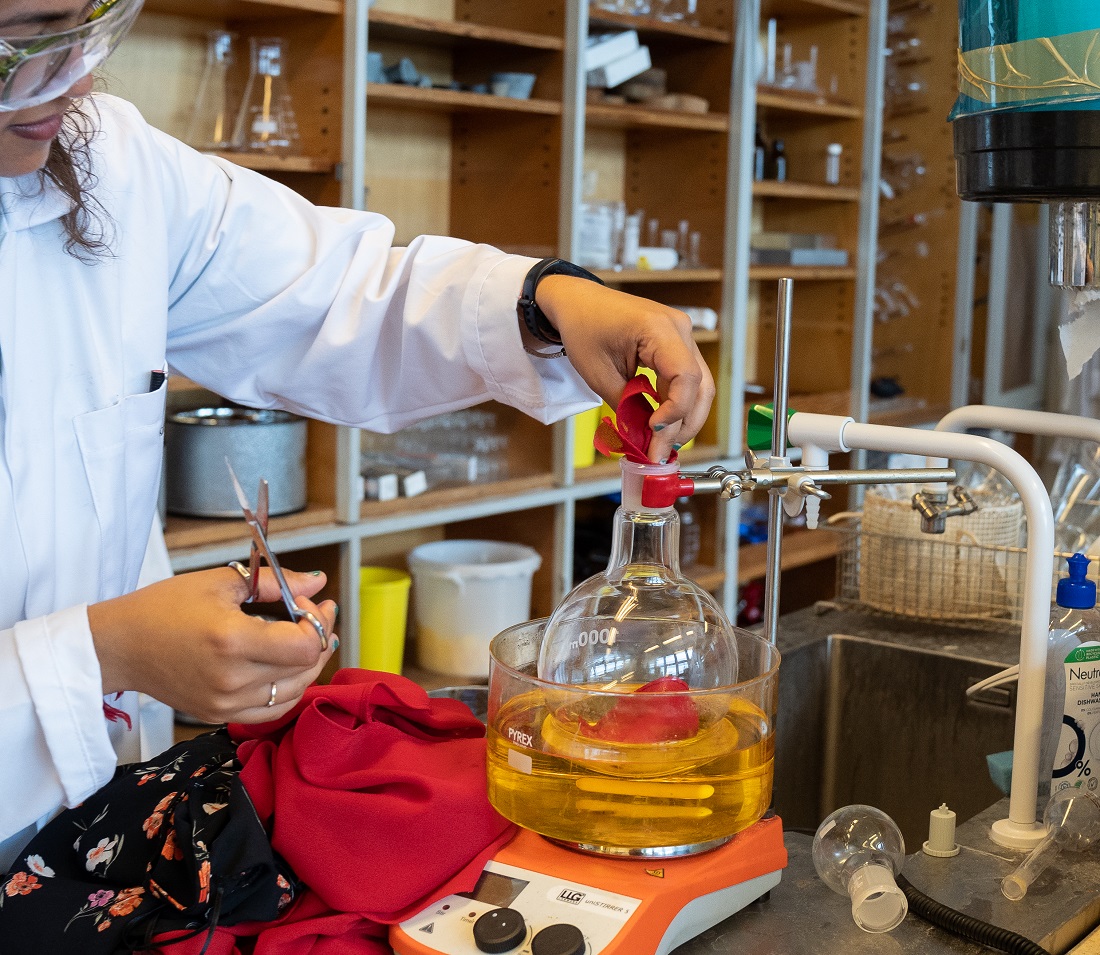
[[211, 126], [266, 122]]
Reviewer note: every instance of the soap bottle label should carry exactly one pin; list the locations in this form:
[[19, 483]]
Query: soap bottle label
[[1080, 734]]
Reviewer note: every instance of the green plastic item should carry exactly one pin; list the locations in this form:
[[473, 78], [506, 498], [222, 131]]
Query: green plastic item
[[758, 434]]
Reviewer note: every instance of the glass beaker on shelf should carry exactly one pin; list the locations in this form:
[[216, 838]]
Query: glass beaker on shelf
[[211, 126], [266, 121]]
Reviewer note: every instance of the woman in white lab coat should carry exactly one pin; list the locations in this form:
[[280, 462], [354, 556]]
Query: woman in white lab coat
[[123, 252]]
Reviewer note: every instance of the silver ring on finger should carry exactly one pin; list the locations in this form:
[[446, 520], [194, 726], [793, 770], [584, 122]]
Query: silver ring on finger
[[318, 626], [271, 700], [240, 569]]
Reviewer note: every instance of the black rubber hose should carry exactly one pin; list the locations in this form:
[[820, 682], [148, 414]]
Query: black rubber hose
[[965, 926]]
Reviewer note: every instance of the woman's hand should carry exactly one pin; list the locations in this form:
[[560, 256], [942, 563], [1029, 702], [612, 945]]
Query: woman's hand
[[186, 642], [609, 334]]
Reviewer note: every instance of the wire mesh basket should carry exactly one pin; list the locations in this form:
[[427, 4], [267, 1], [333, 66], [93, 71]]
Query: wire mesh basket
[[972, 574]]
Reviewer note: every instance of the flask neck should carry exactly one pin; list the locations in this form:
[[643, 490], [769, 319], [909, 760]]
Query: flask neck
[[645, 541]]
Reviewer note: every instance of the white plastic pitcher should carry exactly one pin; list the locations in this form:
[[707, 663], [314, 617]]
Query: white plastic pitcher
[[464, 593]]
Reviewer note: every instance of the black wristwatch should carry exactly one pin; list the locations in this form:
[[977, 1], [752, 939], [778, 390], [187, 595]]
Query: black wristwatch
[[530, 314]]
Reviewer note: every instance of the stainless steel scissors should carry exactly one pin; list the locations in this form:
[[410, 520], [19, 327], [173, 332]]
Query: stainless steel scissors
[[257, 523]]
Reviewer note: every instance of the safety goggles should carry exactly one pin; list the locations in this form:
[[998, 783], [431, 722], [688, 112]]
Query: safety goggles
[[36, 69]]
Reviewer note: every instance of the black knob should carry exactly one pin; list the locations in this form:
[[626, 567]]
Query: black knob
[[499, 930], [560, 939]]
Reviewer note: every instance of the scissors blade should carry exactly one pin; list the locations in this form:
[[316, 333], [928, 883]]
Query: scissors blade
[[261, 506], [254, 553]]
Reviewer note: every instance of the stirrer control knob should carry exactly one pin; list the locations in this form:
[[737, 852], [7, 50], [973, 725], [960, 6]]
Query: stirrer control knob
[[499, 930], [560, 939]]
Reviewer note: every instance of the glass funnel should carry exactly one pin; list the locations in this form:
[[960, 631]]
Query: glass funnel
[[649, 775], [640, 624]]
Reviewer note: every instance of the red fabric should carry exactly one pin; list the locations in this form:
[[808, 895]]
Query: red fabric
[[375, 794], [629, 434]]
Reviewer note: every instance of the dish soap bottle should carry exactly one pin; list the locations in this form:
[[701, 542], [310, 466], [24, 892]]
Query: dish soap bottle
[[1071, 703]]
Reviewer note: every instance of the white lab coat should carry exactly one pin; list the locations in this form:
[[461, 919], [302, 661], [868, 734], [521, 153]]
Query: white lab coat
[[242, 286]]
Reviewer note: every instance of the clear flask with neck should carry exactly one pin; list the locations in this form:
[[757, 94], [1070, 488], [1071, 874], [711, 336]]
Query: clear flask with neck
[[211, 126], [266, 122], [640, 624]]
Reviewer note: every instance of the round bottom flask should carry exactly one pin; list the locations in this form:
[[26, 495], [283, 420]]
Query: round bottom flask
[[636, 720]]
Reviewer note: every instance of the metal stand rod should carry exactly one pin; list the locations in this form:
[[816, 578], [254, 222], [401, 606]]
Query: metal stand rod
[[780, 391]]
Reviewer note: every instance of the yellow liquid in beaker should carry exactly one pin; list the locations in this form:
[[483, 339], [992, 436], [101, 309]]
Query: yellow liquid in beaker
[[546, 776]]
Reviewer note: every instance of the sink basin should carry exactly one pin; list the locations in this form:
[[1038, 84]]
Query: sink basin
[[863, 721]]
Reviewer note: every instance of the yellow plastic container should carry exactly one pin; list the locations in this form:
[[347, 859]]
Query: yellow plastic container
[[383, 612], [584, 431]]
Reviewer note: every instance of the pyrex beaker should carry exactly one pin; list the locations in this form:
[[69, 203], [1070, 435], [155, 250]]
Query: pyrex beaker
[[660, 773]]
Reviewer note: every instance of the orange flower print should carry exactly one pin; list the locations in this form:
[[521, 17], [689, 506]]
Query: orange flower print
[[167, 801], [144, 779], [204, 881], [170, 850], [281, 882], [104, 925], [21, 884], [152, 824], [127, 901], [101, 854]]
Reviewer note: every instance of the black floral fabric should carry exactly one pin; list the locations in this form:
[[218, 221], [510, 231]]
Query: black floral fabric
[[170, 844]]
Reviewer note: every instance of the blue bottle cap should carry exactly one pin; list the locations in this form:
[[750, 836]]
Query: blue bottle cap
[[1076, 591]]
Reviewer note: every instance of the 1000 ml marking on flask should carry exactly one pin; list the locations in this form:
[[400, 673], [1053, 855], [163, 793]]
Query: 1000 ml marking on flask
[[576, 787]]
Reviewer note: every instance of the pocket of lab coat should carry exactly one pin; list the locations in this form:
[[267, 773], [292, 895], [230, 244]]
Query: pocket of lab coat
[[122, 449]]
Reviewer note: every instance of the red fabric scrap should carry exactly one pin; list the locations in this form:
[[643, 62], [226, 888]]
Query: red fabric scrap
[[629, 434], [654, 718], [375, 794]]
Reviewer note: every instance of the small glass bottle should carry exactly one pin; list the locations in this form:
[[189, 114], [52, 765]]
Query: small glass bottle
[[266, 121], [211, 126], [779, 161], [832, 163]]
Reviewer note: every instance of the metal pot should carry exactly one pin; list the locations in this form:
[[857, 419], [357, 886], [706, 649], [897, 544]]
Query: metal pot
[[259, 444]]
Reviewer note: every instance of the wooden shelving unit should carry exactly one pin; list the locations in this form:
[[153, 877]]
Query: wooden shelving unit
[[507, 172], [456, 101], [647, 276], [414, 29]]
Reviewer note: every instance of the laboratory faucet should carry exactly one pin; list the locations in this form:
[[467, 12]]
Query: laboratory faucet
[[790, 488]]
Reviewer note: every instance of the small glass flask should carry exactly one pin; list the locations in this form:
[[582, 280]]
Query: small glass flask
[[640, 623], [266, 122], [211, 125]]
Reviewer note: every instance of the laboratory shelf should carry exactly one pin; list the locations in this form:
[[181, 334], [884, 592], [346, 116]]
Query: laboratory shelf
[[429, 31], [771, 189], [805, 273], [640, 276], [262, 163], [631, 116], [805, 104], [812, 9], [456, 101], [799, 549], [455, 497], [704, 336], [650, 28], [244, 9], [194, 533]]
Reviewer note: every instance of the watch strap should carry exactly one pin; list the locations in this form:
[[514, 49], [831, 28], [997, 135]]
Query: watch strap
[[533, 318]]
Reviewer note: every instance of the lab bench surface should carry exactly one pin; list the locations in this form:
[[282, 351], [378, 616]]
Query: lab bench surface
[[802, 916]]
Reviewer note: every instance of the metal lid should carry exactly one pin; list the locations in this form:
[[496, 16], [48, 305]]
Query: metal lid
[[225, 416]]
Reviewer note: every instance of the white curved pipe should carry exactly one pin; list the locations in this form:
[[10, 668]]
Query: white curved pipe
[[1021, 829], [1021, 421]]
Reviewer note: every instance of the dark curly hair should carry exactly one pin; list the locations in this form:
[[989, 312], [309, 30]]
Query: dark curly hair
[[69, 168]]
